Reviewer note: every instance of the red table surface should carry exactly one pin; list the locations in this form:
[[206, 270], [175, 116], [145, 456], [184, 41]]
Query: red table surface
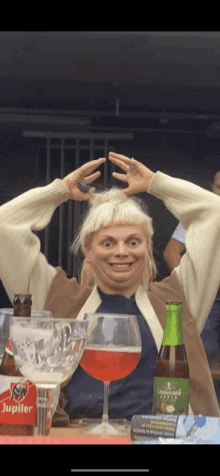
[[65, 436]]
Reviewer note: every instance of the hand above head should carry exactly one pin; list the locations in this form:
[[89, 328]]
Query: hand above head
[[82, 174], [136, 174]]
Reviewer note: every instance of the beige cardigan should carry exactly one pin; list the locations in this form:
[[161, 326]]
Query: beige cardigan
[[23, 267], [68, 299]]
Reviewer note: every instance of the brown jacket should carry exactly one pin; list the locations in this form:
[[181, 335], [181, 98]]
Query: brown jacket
[[66, 298]]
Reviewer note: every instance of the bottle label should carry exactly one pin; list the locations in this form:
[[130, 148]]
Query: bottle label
[[8, 348], [22, 310], [17, 401], [153, 426], [171, 395]]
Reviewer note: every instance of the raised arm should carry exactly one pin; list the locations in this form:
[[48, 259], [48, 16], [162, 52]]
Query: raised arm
[[199, 270], [198, 210], [23, 268]]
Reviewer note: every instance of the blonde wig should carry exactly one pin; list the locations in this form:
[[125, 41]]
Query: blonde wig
[[113, 207]]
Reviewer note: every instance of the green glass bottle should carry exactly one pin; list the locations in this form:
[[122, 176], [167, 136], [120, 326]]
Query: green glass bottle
[[171, 377]]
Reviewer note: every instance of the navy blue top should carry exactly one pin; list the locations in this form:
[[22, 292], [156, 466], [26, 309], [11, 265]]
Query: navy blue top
[[131, 395]]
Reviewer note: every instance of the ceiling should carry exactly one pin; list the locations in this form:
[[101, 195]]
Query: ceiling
[[120, 57], [90, 69]]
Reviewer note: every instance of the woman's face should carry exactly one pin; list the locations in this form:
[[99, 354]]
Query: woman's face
[[117, 255]]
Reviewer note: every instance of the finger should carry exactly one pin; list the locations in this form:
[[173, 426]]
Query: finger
[[92, 177], [113, 157], [122, 165], [93, 163], [81, 196], [122, 177], [86, 169], [119, 156], [122, 158], [88, 195]]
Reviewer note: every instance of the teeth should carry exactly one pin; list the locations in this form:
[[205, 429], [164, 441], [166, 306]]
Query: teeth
[[121, 265]]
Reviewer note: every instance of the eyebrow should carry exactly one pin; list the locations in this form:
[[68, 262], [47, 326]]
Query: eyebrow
[[133, 235]]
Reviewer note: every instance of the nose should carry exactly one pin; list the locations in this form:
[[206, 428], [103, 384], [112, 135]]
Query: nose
[[121, 249]]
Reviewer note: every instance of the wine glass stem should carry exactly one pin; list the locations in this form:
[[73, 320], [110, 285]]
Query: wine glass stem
[[105, 405], [44, 400]]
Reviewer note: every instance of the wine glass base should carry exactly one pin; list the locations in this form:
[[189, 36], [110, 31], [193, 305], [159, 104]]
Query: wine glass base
[[104, 429], [95, 427]]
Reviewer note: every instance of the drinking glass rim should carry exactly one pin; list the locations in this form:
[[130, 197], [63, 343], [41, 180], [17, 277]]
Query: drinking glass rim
[[43, 318], [11, 309], [109, 314]]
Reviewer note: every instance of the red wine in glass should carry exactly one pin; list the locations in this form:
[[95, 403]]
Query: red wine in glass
[[110, 365], [112, 351]]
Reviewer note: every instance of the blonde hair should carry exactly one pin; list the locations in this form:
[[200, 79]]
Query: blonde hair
[[113, 207]]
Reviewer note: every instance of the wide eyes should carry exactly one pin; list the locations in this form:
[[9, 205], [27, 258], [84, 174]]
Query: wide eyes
[[134, 242], [109, 244]]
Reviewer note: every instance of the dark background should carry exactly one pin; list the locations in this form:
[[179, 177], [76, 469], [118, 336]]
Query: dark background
[[163, 87]]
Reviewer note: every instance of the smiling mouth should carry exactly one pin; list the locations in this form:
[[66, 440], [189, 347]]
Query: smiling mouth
[[120, 265]]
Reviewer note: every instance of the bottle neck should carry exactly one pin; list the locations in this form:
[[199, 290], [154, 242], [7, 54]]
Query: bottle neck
[[173, 330]]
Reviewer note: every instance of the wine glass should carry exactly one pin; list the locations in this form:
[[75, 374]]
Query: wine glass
[[47, 352], [112, 351]]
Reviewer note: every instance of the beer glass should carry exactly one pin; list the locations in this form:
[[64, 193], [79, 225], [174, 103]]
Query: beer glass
[[5, 313], [112, 351], [47, 352]]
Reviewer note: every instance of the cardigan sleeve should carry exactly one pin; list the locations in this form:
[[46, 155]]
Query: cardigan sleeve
[[23, 268], [198, 211]]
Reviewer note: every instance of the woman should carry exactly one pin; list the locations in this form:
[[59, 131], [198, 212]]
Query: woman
[[116, 239]]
